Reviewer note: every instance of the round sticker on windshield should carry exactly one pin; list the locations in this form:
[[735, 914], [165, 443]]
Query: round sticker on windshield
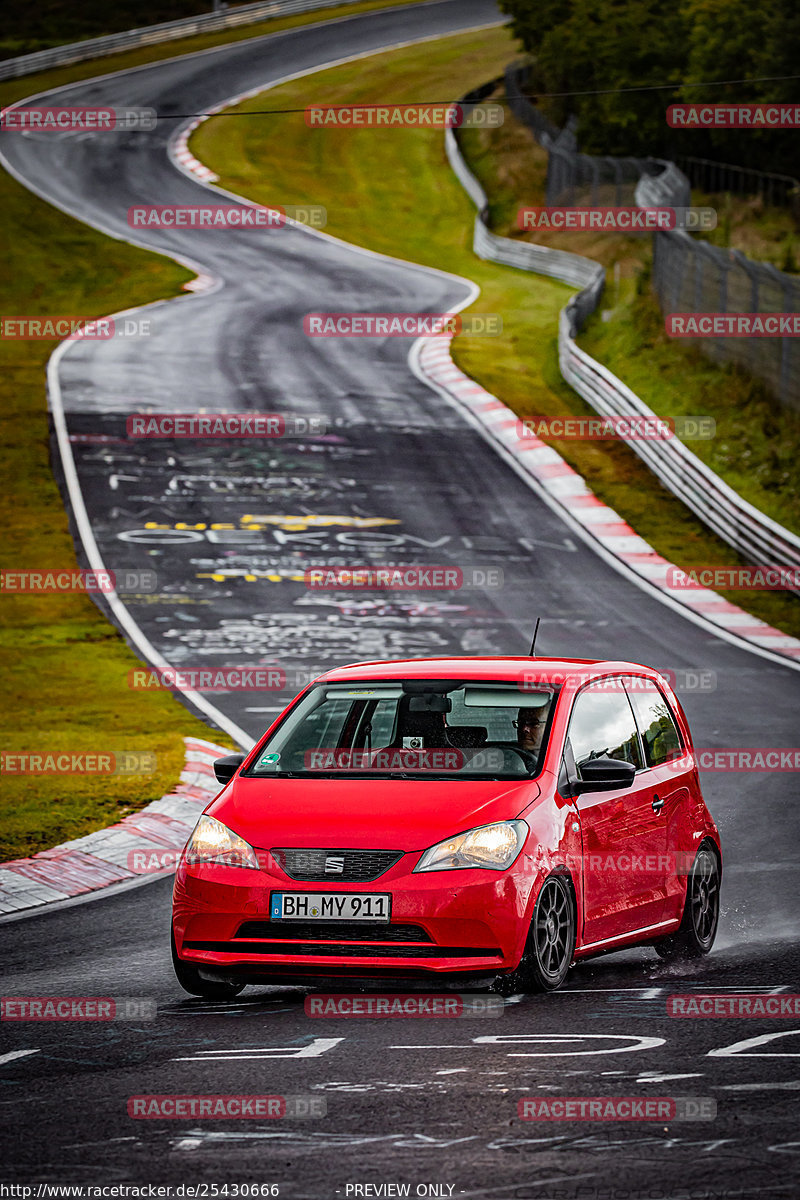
[[269, 760]]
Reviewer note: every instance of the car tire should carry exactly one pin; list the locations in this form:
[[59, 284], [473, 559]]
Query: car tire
[[550, 944], [698, 928], [195, 984]]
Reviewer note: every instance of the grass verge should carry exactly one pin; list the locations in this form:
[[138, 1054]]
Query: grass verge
[[65, 674], [391, 190]]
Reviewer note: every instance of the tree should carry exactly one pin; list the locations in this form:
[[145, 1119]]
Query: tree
[[623, 62], [603, 47]]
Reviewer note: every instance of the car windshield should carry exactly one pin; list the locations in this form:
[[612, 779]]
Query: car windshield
[[411, 729]]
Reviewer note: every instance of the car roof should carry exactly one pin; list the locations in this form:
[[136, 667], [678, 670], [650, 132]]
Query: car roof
[[553, 670]]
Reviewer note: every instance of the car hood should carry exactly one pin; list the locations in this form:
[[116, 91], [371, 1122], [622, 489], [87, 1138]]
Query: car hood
[[390, 814]]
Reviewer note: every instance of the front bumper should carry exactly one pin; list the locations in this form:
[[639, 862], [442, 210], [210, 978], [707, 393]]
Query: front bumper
[[467, 924]]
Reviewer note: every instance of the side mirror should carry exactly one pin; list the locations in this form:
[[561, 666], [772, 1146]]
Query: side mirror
[[225, 768], [605, 774]]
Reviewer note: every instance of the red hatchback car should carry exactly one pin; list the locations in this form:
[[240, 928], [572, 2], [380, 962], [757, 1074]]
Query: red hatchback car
[[483, 820]]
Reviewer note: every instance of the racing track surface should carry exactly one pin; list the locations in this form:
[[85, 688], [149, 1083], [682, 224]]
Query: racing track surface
[[398, 454]]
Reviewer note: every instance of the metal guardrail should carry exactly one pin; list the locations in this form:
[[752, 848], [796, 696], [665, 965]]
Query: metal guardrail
[[558, 264], [753, 534], [750, 532], [149, 35]]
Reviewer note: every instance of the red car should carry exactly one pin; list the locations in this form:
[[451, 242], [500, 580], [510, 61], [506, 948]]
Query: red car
[[482, 820]]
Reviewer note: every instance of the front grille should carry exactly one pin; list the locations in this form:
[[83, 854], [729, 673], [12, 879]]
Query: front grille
[[336, 866], [332, 931], [341, 950]]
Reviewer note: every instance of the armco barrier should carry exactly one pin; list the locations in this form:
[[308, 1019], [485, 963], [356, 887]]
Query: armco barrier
[[149, 35], [750, 532]]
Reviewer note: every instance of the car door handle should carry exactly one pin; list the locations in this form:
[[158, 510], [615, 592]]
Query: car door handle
[[658, 804]]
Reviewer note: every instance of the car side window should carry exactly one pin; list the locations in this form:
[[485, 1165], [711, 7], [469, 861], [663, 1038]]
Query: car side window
[[602, 723], [656, 723]]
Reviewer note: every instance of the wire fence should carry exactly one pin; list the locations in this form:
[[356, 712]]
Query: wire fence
[[689, 275], [781, 191]]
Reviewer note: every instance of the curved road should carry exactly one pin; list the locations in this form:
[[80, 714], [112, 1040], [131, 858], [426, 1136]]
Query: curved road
[[396, 456]]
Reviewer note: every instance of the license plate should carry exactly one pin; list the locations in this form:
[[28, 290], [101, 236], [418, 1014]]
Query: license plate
[[330, 906]]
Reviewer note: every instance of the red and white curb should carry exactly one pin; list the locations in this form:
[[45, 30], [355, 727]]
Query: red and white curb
[[106, 857], [180, 152], [569, 491], [183, 158]]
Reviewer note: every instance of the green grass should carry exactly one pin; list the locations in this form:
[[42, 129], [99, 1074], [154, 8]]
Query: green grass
[[65, 667], [393, 191]]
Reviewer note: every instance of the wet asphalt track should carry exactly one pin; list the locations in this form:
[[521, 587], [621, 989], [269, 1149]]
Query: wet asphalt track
[[396, 453]]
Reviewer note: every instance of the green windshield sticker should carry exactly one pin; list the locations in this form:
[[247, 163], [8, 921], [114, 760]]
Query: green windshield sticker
[[269, 760]]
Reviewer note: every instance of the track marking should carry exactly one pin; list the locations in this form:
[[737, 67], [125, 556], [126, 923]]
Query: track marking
[[12, 1054], [655, 1078], [747, 1045], [314, 1049], [789, 1085]]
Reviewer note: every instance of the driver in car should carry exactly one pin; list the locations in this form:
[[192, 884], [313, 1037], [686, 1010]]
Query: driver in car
[[530, 725]]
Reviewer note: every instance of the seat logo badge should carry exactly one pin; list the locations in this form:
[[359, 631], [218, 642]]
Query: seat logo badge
[[334, 864]]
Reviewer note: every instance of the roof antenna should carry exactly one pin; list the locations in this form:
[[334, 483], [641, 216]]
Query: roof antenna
[[532, 651]]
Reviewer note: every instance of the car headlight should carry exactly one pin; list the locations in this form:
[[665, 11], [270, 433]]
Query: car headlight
[[211, 841], [492, 846]]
